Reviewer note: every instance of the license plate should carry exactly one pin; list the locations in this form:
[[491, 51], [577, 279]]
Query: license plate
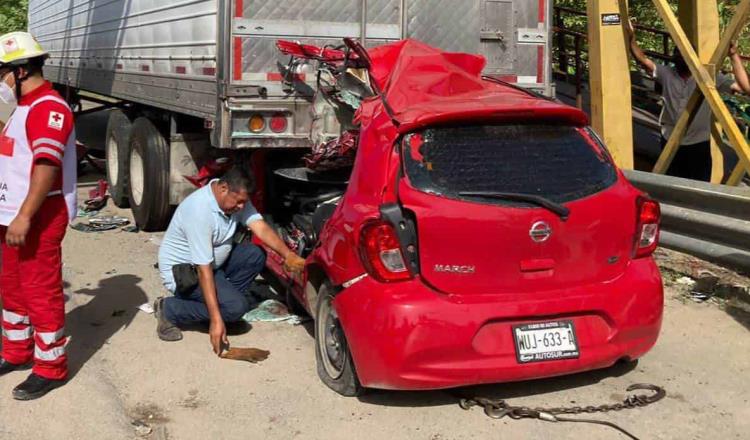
[[545, 341]]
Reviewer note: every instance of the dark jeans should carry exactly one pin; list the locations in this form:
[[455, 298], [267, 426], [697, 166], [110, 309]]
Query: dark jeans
[[232, 281], [691, 161]]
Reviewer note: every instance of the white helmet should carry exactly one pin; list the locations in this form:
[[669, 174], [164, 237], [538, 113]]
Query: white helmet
[[17, 48]]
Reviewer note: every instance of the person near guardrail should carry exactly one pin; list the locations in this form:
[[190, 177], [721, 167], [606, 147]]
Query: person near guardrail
[[38, 173], [693, 158]]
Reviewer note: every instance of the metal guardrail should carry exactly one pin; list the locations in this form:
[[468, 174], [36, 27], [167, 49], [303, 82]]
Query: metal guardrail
[[708, 221]]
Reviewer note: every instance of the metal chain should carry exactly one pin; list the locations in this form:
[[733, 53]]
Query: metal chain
[[499, 408]]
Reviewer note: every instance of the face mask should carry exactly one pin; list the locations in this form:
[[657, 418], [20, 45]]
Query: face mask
[[7, 94]]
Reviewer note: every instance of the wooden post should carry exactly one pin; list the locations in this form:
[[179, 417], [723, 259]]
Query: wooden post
[[700, 21], [609, 70]]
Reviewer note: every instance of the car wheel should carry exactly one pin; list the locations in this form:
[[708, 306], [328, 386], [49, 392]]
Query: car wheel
[[117, 150], [332, 355], [149, 176]]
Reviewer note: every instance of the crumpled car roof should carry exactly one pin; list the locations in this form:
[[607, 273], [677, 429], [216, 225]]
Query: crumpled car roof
[[427, 86]]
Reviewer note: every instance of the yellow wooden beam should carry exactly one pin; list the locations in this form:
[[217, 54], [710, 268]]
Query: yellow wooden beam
[[611, 106], [741, 14], [738, 174], [730, 34], [706, 86], [700, 21], [687, 19]]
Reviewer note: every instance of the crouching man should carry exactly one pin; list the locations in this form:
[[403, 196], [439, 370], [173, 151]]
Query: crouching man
[[200, 264]]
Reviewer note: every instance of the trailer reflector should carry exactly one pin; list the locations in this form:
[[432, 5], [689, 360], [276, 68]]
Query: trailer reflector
[[278, 123], [256, 123]]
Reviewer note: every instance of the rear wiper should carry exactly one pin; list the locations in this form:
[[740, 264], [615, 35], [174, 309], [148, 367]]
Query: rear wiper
[[557, 208]]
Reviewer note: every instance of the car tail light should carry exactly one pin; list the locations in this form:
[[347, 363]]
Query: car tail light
[[380, 252], [647, 231], [256, 123], [278, 123]]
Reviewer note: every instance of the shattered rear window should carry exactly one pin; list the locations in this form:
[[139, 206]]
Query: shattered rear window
[[553, 161]]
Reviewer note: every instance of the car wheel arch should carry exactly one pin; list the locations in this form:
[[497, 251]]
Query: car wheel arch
[[316, 276], [346, 380]]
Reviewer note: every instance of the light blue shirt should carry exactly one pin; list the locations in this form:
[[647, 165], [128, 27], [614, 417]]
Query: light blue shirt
[[200, 233]]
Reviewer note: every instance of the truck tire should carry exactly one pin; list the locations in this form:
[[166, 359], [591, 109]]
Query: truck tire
[[333, 358], [149, 176], [117, 149]]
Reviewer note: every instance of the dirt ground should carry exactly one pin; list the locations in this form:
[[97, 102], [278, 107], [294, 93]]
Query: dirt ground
[[125, 382], [122, 374]]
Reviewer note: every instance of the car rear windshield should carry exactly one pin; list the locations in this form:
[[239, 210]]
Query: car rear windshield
[[553, 161]]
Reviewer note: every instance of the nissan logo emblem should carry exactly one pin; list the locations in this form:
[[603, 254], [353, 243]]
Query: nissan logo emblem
[[540, 232]]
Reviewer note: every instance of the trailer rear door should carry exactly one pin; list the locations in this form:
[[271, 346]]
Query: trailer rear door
[[512, 34], [259, 23]]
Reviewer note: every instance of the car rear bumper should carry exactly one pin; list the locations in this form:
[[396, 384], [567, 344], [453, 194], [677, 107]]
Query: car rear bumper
[[407, 336]]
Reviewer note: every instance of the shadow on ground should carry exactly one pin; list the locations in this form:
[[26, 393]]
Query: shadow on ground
[[113, 307], [233, 328], [496, 391], [739, 314]]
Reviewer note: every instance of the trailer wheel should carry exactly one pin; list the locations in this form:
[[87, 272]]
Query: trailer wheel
[[149, 176], [117, 148]]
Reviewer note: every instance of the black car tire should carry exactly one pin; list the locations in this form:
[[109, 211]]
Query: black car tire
[[149, 176], [334, 363], [117, 153]]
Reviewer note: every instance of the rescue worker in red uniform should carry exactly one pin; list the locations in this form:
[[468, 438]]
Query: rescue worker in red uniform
[[37, 202]]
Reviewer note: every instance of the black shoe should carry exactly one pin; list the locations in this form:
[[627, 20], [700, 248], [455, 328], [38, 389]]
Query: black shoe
[[238, 328], [6, 367], [164, 328], [35, 387]]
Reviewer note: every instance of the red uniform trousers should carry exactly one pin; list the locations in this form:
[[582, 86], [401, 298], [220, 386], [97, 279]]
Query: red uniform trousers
[[32, 294]]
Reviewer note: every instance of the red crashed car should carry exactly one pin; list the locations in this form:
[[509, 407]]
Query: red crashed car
[[482, 234]]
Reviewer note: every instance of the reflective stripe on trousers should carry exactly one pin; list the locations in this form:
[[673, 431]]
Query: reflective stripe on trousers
[[17, 335], [32, 293], [50, 355], [14, 318], [50, 338]]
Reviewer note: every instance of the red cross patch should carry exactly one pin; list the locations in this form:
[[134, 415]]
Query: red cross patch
[[56, 120], [10, 45], [6, 146]]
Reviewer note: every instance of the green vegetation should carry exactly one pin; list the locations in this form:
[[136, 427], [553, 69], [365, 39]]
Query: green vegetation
[[643, 13], [13, 15]]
